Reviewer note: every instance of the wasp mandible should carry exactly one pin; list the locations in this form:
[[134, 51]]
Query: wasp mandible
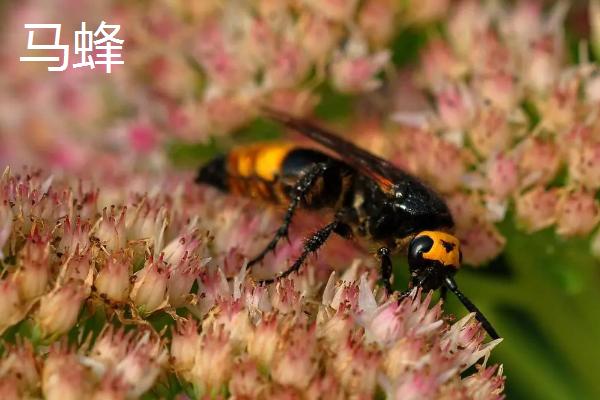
[[370, 198]]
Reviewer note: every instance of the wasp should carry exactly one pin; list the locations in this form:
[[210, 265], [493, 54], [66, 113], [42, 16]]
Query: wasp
[[369, 197]]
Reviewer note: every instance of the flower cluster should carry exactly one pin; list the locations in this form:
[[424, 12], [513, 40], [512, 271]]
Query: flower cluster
[[68, 259], [191, 71]]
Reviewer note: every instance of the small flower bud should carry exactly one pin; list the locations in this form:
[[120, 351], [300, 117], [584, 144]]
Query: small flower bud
[[355, 367], [34, 268], [584, 164], [376, 20], [296, 362], [142, 364], [63, 377], [214, 360], [59, 309], [185, 245], [577, 213], [502, 176], [20, 362], [181, 279], [536, 209], [456, 107], [539, 161], [11, 308], [247, 381], [481, 243], [490, 132], [264, 340], [336, 10], [149, 292], [75, 236], [358, 74], [112, 281], [111, 229], [9, 388], [184, 343]]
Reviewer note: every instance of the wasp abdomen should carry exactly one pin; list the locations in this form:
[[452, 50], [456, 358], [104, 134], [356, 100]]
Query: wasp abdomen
[[270, 172]]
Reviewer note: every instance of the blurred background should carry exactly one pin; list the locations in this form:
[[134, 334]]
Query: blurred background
[[493, 103]]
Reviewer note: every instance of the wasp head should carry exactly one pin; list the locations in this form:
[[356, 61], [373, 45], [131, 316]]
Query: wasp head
[[434, 248]]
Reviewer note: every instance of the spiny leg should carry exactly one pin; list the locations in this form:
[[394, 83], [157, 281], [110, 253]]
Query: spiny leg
[[312, 244], [303, 185], [451, 285], [385, 269]]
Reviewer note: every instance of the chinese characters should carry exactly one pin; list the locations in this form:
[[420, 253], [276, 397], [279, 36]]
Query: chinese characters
[[91, 48]]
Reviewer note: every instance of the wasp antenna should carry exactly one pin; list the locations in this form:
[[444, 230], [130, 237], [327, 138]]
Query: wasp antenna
[[451, 284]]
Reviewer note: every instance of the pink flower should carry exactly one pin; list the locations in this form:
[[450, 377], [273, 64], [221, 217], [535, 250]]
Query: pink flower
[[376, 18], [337, 10], [456, 107], [288, 67], [490, 132], [539, 161], [542, 68], [440, 64], [481, 243], [357, 74], [577, 213], [536, 208], [247, 381], [584, 164], [502, 176], [500, 89]]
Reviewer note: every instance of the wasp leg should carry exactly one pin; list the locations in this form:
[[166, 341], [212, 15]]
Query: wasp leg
[[451, 284], [302, 187], [385, 269], [311, 245], [443, 293]]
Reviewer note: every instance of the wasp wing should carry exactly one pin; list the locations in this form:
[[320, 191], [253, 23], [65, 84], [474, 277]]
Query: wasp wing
[[378, 169]]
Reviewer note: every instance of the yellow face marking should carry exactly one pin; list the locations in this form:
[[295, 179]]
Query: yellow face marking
[[445, 248], [268, 160]]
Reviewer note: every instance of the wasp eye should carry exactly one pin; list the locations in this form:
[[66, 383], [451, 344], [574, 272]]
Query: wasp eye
[[418, 246]]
